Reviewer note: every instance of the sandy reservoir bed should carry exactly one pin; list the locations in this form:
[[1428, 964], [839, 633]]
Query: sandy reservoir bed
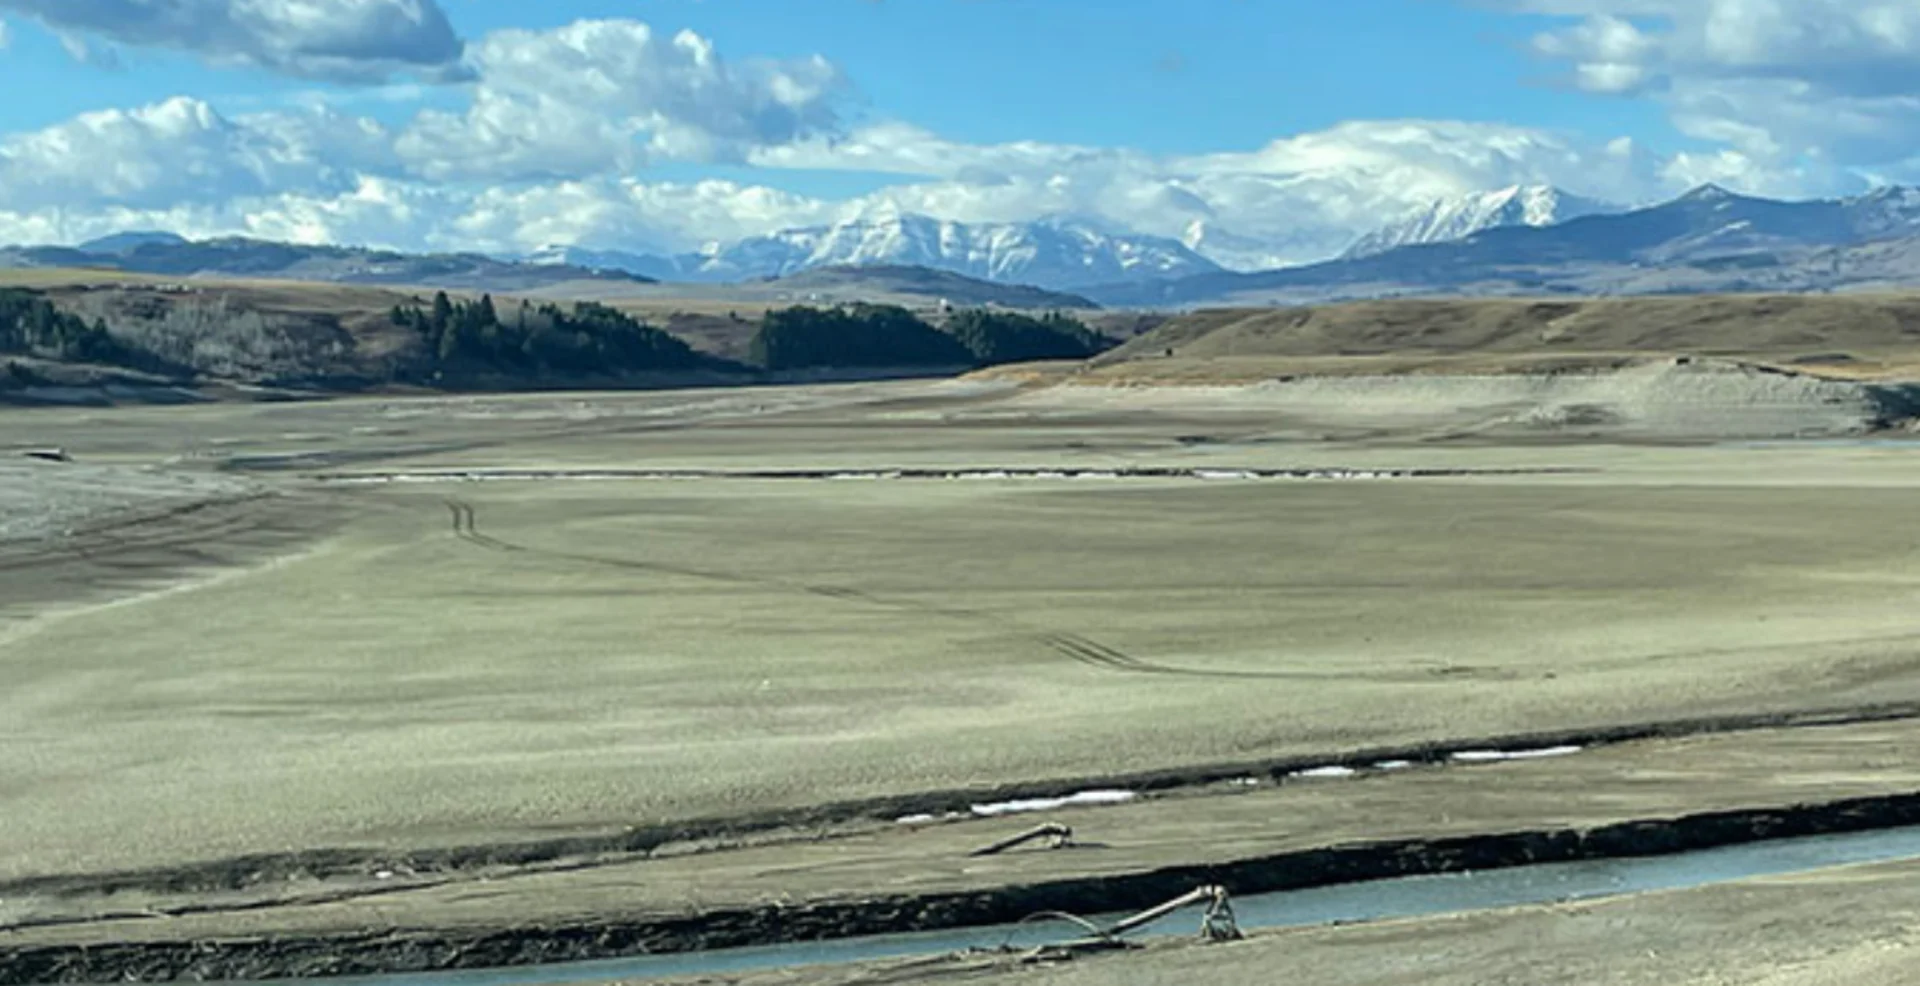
[[1679, 399], [384, 666]]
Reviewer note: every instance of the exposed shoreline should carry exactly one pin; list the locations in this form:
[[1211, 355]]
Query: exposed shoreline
[[607, 782], [255, 945], [420, 950]]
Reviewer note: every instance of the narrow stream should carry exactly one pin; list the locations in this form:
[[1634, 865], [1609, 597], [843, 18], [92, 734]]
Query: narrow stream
[[1378, 900]]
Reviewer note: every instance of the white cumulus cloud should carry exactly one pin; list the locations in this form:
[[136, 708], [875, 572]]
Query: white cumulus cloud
[[1822, 88], [559, 126], [177, 151], [1299, 198], [598, 96], [318, 174]]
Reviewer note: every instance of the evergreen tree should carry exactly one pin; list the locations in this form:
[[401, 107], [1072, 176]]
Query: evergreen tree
[[1010, 337], [451, 344], [592, 338], [856, 336]]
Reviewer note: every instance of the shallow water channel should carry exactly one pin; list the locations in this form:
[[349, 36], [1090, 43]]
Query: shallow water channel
[[1377, 900]]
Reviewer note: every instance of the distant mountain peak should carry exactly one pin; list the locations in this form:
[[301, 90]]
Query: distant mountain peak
[[1708, 240], [1055, 252], [132, 239], [245, 257], [1461, 216], [1709, 192]]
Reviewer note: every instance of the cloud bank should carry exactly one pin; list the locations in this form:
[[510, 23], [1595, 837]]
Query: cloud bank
[[551, 134]]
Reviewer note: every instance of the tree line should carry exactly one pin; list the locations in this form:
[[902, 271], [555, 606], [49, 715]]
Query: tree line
[[30, 325], [472, 336], [862, 335], [460, 341]]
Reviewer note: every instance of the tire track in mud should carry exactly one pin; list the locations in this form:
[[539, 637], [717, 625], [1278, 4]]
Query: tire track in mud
[[1097, 655], [1072, 646], [131, 556], [180, 530], [146, 557]]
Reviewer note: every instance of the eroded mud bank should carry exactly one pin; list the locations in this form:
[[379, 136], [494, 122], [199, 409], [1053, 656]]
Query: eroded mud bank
[[263, 956]]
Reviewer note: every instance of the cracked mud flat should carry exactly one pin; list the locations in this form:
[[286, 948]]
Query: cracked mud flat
[[385, 678]]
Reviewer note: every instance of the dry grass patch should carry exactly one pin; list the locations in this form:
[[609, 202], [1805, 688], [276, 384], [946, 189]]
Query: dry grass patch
[[1823, 330]]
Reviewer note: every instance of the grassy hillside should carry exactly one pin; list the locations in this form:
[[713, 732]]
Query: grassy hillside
[[255, 331], [301, 335], [1852, 334], [272, 333]]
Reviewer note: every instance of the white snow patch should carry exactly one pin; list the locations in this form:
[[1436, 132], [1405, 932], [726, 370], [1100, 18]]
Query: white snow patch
[[1393, 765], [1319, 772], [1081, 799], [926, 819], [1495, 756]]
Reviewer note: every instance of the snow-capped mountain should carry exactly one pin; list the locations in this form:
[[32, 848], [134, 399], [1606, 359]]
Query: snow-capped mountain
[[644, 264], [1462, 216], [1891, 210], [1051, 253], [1709, 239], [1235, 251]]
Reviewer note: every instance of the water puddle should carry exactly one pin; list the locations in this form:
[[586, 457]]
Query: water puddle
[[1379, 900]]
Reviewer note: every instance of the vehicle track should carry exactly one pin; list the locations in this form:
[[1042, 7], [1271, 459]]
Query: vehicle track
[[179, 530], [1073, 646]]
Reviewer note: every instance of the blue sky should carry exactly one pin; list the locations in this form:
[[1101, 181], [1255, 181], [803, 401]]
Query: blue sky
[[1266, 130], [1158, 76]]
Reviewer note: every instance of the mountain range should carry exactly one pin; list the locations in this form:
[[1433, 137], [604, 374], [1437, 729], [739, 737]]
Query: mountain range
[[578, 274], [168, 255], [1708, 240], [1462, 216], [1054, 253], [1516, 241], [1057, 253]]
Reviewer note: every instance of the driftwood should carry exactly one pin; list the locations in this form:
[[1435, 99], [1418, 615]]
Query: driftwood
[[1061, 837], [1217, 924]]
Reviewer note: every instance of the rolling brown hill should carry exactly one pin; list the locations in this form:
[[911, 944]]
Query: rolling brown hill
[[1849, 335]]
